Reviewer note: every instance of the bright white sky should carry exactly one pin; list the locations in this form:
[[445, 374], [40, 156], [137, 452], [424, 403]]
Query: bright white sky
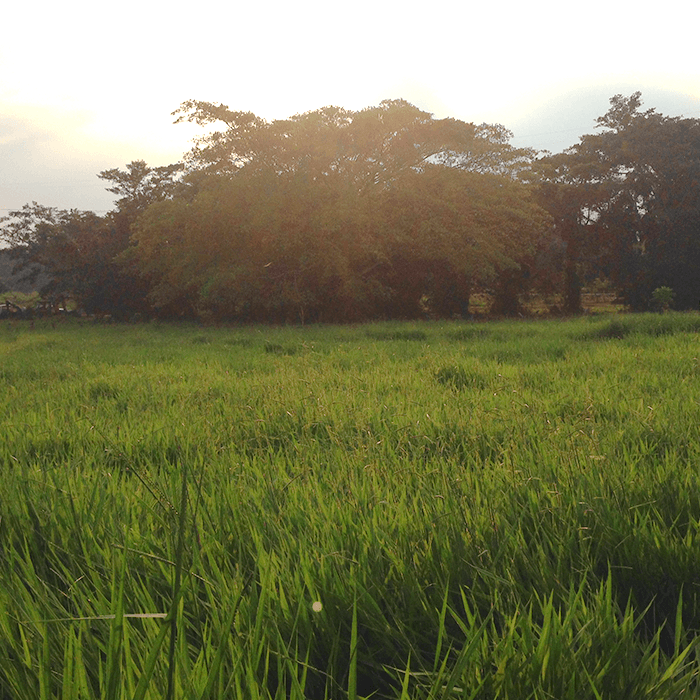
[[87, 86]]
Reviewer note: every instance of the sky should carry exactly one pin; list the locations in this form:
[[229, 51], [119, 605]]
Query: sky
[[88, 86]]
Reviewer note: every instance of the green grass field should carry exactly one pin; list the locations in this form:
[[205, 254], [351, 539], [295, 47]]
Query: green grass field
[[437, 510]]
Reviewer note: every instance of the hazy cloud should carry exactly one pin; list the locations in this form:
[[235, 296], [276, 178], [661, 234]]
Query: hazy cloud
[[50, 157], [90, 86]]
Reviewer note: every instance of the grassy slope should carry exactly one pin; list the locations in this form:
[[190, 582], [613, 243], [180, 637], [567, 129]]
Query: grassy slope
[[507, 509]]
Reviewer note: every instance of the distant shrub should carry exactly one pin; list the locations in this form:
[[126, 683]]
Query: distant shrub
[[662, 298]]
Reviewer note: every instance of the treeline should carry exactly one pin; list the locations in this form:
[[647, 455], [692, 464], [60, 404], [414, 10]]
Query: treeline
[[386, 212]]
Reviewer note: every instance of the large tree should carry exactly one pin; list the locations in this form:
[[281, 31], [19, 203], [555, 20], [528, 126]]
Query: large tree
[[571, 196], [266, 246], [137, 186], [448, 232], [627, 201], [337, 215], [79, 251], [75, 251]]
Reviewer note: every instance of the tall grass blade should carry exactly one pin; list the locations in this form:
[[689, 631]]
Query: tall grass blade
[[116, 635], [151, 662], [352, 670], [177, 583], [228, 626]]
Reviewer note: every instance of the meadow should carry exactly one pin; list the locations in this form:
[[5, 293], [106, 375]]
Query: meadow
[[394, 510]]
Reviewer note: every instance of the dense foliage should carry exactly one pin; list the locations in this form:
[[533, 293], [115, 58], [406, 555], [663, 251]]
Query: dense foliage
[[335, 215], [386, 212], [627, 203], [78, 254]]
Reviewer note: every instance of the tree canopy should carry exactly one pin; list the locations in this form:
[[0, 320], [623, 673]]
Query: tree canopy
[[338, 215], [633, 190], [369, 147], [384, 212]]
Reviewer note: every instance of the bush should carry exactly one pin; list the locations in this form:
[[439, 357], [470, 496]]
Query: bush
[[662, 298]]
